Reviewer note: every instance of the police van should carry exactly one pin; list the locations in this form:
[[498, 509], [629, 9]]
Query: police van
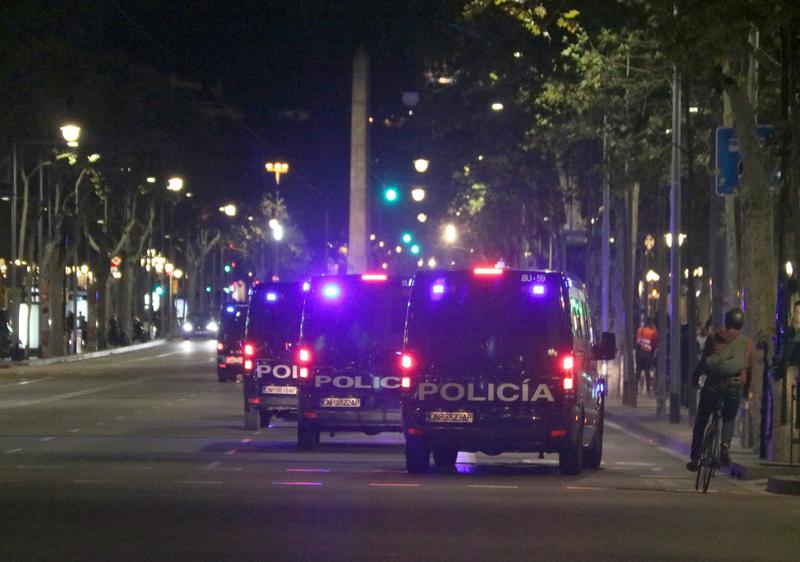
[[232, 319], [352, 332], [269, 371], [498, 360]]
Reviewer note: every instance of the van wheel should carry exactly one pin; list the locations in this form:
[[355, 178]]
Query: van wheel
[[418, 455], [264, 418], [251, 420], [593, 455], [444, 458], [307, 437], [570, 459]]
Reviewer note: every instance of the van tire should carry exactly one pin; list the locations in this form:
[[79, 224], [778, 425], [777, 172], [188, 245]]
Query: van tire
[[593, 455], [444, 457], [418, 455], [307, 437], [570, 459], [251, 419]]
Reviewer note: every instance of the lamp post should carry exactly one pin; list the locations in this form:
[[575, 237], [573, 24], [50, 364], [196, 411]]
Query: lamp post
[[277, 168]]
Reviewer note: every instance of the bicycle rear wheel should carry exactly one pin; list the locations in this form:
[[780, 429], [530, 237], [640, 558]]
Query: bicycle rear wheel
[[709, 453]]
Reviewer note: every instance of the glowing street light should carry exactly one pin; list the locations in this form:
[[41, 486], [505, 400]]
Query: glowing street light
[[668, 239], [229, 209], [497, 106], [175, 184], [450, 234], [177, 274], [422, 217], [421, 165], [418, 194], [277, 168], [277, 230], [71, 134]]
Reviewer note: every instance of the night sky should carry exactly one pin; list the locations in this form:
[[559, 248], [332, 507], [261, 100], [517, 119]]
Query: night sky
[[286, 65]]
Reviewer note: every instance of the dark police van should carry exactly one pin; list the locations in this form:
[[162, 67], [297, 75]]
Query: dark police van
[[232, 320], [270, 373], [352, 332], [499, 360]]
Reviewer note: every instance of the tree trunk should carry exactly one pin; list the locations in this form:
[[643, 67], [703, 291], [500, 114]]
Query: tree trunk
[[627, 244], [53, 309], [126, 294]]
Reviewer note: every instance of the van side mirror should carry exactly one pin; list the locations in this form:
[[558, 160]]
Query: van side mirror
[[607, 348]]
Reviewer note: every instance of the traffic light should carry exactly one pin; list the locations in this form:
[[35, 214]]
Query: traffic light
[[390, 194], [227, 268], [159, 290], [415, 249], [407, 238]]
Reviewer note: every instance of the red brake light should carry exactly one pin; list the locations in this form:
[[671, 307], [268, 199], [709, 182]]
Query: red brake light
[[374, 277], [406, 361], [248, 364], [405, 382], [487, 271], [569, 383], [568, 362], [304, 355], [220, 346], [249, 350], [303, 372], [567, 366]]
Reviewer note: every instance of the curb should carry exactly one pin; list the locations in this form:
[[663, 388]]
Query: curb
[[85, 356], [674, 444], [789, 485]]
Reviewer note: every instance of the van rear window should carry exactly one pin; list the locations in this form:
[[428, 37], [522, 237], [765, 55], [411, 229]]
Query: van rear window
[[464, 319], [275, 312]]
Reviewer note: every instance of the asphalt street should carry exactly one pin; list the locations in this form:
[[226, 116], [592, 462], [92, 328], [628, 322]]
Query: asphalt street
[[143, 456]]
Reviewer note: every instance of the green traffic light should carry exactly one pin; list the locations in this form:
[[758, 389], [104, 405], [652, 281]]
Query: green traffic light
[[159, 290], [227, 268], [415, 249], [407, 238], [390, 194]]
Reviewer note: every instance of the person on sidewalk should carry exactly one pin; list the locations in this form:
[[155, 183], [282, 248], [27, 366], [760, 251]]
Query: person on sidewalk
[[646, 344], [727, 363]]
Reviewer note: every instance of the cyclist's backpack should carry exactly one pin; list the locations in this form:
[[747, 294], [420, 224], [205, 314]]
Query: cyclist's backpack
[[729, 362]]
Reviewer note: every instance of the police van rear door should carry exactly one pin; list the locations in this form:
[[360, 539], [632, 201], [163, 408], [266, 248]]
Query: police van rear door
[[486, 338], [353, 329], [273, 327]]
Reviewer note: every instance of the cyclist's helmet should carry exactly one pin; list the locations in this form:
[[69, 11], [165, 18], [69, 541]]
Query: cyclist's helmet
[[734, 318]]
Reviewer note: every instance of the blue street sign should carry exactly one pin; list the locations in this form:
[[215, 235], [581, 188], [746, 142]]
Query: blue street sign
[[729, 160]]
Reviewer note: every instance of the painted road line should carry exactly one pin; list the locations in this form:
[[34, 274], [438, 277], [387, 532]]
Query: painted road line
[[297, 483], [12, 451], [97, 481], [76, 430], [213, 465], [308, 470], [200, 482], [393, 485], [231, 451], [26, 381], [85, 392], [119, 418], [46, 439], [580, 488], [41, 467], [131, 467], [98, 424], [246, 440], [492, 486]]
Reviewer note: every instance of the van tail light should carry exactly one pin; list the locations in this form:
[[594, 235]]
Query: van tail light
[[406, 361], [487, 271], [220, 346], [567, 364], [405, 382], [374, 277], [304, 356], [248, 364], [249, 350], [303, 372]]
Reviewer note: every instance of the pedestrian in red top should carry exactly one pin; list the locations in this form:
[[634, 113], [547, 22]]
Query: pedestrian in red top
[[646, 345]]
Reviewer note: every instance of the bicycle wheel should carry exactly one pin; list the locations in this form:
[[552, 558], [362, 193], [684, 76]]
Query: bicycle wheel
[[708, 457]]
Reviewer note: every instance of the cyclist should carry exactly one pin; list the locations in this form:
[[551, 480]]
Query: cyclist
[[727, 363]]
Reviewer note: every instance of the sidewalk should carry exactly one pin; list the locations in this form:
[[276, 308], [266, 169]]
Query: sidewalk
[[36, 362], [745, 465]]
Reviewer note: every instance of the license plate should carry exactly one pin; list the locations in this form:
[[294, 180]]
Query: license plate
[[340, 402], [230, 360], [280, 389], [449, 417]]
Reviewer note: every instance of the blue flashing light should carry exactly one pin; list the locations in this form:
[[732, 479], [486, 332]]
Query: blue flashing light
[[437, 290], [331, 291], [306, 287], [229, 309], [538, 290], [272, 296]]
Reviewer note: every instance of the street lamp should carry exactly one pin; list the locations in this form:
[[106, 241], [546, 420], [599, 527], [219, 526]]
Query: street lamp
[[422, 217], [71, 134], [229, 209], [668, 239], [175, 183], [418, 194], [277, 168], [497, 106], [450, 234], [421, 165]]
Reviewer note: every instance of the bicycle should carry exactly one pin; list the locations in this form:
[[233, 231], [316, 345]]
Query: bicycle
[[709, 450]]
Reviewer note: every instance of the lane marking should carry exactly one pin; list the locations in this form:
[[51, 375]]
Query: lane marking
[[579, 488], [97, 481], [85, 392], [297, 483], [231, 451], [119, 418], [308, 470], [41, 467], [76, 430], [393, 485], [12, 451], [132, 468], [151, 357], [26, 381], [213, 465], [246, 440], [46, 439], [100, 424], [200, 482], [492, 486]]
